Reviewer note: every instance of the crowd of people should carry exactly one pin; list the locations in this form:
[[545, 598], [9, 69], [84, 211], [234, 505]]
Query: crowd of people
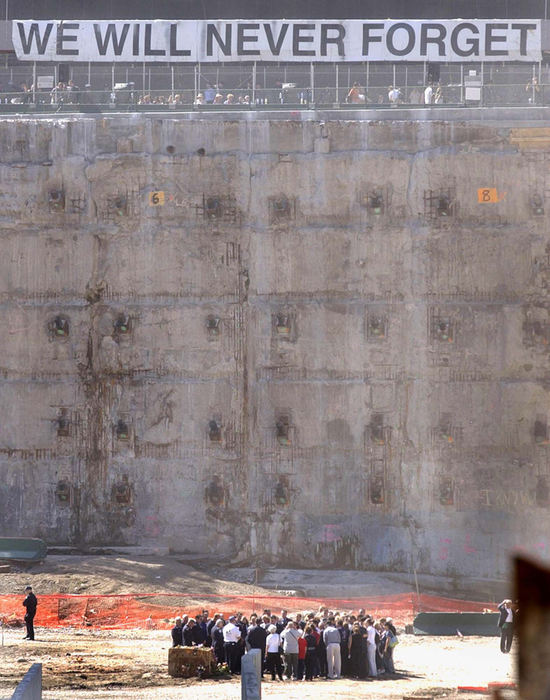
[[431, 94], [160, 100], [215, 94], [312, 645]]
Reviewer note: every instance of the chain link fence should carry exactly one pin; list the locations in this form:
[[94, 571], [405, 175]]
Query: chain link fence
[[52, 86]]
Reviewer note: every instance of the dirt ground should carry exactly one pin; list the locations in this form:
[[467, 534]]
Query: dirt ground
[[79, 664], [115, 574]]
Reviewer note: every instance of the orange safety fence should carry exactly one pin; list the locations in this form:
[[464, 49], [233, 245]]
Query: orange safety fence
[[157, 610]]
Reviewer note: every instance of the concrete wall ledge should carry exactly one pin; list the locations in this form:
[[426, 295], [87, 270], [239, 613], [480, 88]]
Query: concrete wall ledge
[[410, 113], [30, 687]]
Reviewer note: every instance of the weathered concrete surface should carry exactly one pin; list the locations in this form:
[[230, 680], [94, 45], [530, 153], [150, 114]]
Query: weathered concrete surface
[[263, 368], [251, 675], [30, 687]]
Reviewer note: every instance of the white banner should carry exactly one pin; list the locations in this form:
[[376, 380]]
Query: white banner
[[293, 41]]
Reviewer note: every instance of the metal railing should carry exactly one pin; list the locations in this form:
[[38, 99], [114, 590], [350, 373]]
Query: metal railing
[[127, 98]]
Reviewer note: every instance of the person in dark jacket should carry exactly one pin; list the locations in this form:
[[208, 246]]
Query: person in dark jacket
[[344, 643], [192, 634], [30, 604], [355, 652], [256, 639], [311, 652], [217, 641], [204, 626], [506, 624], [200, 630], [282, 622], [242, 624], [211, 624], [177, 633]]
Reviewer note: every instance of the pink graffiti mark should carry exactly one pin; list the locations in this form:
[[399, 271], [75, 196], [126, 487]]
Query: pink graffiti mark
[[331, 534], [468, 546], [540, 545], [444, 549]]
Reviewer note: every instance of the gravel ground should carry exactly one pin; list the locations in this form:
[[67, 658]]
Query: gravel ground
[[82, 664]]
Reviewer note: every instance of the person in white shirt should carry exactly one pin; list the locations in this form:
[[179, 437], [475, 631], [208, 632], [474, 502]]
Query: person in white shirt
[[231, 635], [428, 95], [394, 94], [272, 656], [371, 648], [506, 625]]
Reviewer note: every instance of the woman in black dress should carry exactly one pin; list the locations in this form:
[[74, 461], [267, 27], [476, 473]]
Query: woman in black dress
[[363, 670], [355, 651]]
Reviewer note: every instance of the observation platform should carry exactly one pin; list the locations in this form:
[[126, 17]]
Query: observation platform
[[539, 115]]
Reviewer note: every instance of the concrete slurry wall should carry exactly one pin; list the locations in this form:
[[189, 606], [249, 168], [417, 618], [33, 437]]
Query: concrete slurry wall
[[217, 339]]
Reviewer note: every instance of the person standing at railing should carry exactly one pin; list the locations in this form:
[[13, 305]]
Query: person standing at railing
[[394, 95], [428, 94], [57, 94], [533, 88], [209, 94], [73, 93], [356, 95]]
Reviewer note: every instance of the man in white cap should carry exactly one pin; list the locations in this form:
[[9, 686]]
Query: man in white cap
[[231, 635]]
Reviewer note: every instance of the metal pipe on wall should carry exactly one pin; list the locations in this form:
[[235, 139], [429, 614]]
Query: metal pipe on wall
[[482, 86], [254, 83]]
